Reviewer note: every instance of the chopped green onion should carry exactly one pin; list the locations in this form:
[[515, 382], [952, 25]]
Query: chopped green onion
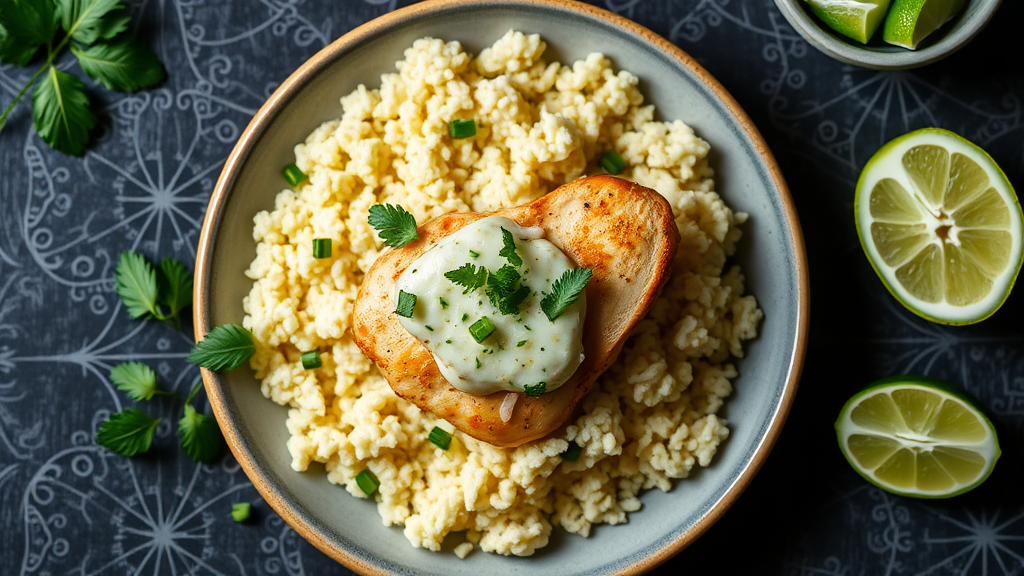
[[521, 343], [474, 253], [311, 360], [462, 128], [572, 453], [482, 328], [527, 326], [535, 389], [428, 327], [321, 247], [367, 482], [293, 175], [240, 511], [440, 438], [612, 162], [406, 304], [444, 303]]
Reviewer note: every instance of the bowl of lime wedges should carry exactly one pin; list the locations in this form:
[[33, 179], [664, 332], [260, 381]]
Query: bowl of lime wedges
[[888, 34]]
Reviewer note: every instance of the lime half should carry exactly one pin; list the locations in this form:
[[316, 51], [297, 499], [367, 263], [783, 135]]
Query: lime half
[[917, 436], [851, 18], [941, 225], [910, 21]]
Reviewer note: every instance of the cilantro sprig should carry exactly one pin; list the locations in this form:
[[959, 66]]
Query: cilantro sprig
[[395, 226], [504, 290], [199, 434], [94, 31], [565, 291], [468, 276], [147, 292], [508, 249]]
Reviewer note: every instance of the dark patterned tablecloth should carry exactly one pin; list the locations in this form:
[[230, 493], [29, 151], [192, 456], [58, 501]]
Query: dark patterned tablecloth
[[68, 507]]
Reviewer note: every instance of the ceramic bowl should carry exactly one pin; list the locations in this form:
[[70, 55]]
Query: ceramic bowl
[[879, 55], [772, 254]]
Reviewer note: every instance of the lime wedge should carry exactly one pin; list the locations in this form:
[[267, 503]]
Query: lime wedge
[[941, 226], [917, 436], [851, 18], [910, 21]]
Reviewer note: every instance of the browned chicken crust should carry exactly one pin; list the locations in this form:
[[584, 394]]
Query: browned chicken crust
[[624, 232]]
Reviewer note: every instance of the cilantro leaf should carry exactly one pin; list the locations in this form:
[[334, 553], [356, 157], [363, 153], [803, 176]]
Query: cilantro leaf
[[61, 112], [136, 380], [136, 284], [535, 389], [509, 249], [199, 434], [25, 25], [468, 276], [504, 290], [395, 226], [124, 65], [174, 286], [226, 347], [87, 21], [128, 432], [565, 291]]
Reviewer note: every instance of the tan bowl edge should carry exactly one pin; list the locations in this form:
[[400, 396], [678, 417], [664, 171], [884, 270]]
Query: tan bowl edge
[[201, 315]]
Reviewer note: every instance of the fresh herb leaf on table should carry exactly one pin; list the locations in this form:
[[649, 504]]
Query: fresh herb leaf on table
[[136, 380], [199, 434], [565, 291], [395, 226], [145, 291], [93, 31], [128, 432], [225, 348]]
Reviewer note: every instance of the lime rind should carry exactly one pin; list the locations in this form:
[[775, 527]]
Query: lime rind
[[855, 19], [911, 21], [987, 447], [886, 163]]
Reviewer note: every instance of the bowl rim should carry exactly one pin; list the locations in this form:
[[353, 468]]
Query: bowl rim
[[324, 58], [828, 43]]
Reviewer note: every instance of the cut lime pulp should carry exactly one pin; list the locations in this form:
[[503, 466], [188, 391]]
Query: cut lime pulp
[[851, 18], [911, 21]]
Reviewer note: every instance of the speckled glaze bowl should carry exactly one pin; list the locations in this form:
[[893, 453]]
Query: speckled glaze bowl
[[953, 36], [771, 253]]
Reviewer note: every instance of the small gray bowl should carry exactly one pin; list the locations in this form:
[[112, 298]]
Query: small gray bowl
[[879, 55], [772, 256]]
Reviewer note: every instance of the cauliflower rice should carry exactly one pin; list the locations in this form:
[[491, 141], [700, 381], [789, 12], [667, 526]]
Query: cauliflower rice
[[649, 419]]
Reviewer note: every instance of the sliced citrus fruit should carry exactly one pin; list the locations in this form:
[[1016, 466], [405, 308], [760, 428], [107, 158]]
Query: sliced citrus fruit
[[917, 436], [852, 18], [910, 21], [941, 225]]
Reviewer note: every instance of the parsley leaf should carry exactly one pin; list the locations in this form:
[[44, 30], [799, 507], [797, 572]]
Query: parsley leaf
[[565, 291], [504, 290], [123, 65], [199, 434], [136, 284], [87, 21], [128, 432], [136, 380], [468, 276], [174, 285], [226, 347], [395, 226], [509, 249], [61, 114], [24, 27]]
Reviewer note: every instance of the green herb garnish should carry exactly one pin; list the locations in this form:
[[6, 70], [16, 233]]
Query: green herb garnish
[[474, 254], [311, 360], [477, 363], [521, 343], [481, 329], [293, 174], [395, 226], [565, 291], [174, 287], [440, 438], [226, 347], [465, 317], [612, 162], [572, 453], [240, 511], [468, 276], [198, 434], [462, 128], [321, 248], [367, 482], [444, 303], [406, 304], [93, 31], [145, 292], [136, 380], [508, 250], [504, 290], [535, 389], [128, 432]]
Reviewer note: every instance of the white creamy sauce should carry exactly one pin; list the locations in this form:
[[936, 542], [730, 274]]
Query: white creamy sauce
[[525, 349]]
